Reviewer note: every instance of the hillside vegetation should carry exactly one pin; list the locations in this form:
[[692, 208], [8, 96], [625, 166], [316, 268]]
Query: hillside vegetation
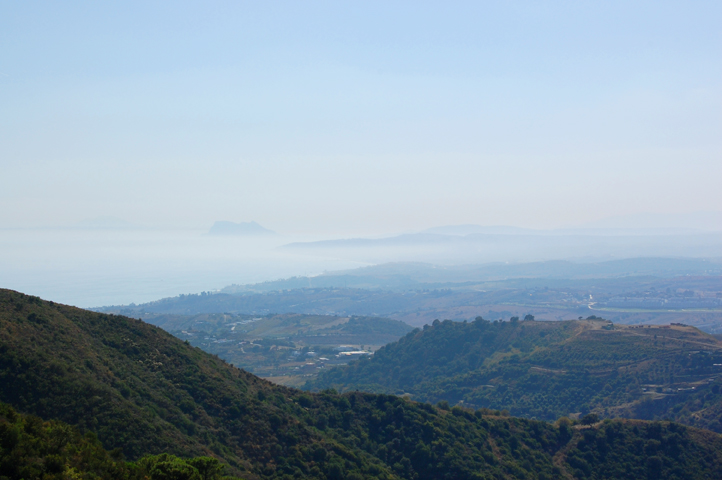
[[145, 392], [33, 448], [550, 369]]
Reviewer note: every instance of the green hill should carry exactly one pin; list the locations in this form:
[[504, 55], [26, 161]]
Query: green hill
[[33, 448], [144, 392], [550, 369]]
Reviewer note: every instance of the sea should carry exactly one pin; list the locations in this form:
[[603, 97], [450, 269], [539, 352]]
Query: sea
[[100, 267]]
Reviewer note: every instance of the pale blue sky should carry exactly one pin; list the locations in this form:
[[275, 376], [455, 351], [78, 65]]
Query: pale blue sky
[[358, 117]]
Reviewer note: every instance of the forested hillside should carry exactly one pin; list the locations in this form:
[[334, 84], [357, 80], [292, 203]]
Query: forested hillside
[[145, 392], [52, 450], [550, 369]]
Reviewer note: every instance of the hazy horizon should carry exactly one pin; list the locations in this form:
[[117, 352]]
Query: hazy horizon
[[692, 221], [91, 268], [127, 130]]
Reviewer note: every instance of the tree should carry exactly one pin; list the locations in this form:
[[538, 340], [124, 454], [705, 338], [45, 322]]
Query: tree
[[654, 467], [169, 467], [590, 419], [209, 468]]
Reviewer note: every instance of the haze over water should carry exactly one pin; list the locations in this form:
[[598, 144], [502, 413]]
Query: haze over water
[[338, 120], [92, 268]]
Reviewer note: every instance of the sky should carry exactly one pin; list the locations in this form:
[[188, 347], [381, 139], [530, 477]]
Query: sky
[[358, 117]]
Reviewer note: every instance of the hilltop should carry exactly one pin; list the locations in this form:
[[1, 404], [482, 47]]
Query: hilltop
[[550, 369], [141, 390]]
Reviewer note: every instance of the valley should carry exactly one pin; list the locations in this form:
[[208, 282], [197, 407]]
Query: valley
[[288, 349]]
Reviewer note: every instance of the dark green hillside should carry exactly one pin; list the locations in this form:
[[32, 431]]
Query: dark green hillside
[[145, 392], [31, 448], [550, 369], [633, 450]]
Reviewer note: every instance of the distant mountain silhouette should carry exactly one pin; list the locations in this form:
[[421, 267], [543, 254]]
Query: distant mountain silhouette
[[703, 221], [243, 228], [479, 248], [493, 230]]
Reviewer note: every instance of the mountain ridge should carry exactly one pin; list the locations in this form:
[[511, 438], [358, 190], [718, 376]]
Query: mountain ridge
[[550, 369]]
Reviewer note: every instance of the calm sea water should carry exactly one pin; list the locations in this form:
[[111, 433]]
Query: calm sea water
[[90, 268]]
